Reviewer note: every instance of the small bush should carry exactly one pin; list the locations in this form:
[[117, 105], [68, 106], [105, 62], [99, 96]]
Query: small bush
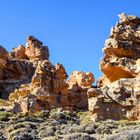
[[54, 111], [85, 117], [21, 115], [42, 114], [125, 122], [4, 116]]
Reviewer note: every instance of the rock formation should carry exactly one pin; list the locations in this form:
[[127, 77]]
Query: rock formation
[[18, 53], [79, 83], [36, 50], [31, 83], [122, 50], [3, 57], [117, 96]]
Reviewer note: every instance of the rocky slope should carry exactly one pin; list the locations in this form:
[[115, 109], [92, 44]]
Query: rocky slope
[[64, 125]]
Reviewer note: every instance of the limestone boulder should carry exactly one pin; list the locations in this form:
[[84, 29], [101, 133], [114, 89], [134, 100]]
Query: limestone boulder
[[18, 53], [127, 29], [117, 93], [28, 104], [77, 98], [35, 49], [122, 50], [82, 79], [118, 100], [49, 83], [79, 82]]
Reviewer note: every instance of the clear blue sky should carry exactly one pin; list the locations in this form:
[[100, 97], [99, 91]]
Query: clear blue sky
[[74, 30]]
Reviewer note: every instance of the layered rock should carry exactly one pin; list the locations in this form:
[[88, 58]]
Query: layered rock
[[117, 96]]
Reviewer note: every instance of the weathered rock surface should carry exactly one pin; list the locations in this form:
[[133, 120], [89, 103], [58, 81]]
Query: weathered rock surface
[[122, 50], [117, 96], [31, 83], [36, 50], [118, 100], [81, 79], [15, 73], [79, 83], [49, 84], [18, 53]]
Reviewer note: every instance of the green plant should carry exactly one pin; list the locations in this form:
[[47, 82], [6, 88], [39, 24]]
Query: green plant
[[85, 117], [54, 110], [21, 115], [4, 116], [42, 114]]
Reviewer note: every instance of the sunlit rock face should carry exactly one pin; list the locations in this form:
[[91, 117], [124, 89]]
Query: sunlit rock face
[[82, 79], [49, 83], [32, 83], [117, 93], [18, 53], [122, 49], [36, 50], [118, 100], [78, 84]]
